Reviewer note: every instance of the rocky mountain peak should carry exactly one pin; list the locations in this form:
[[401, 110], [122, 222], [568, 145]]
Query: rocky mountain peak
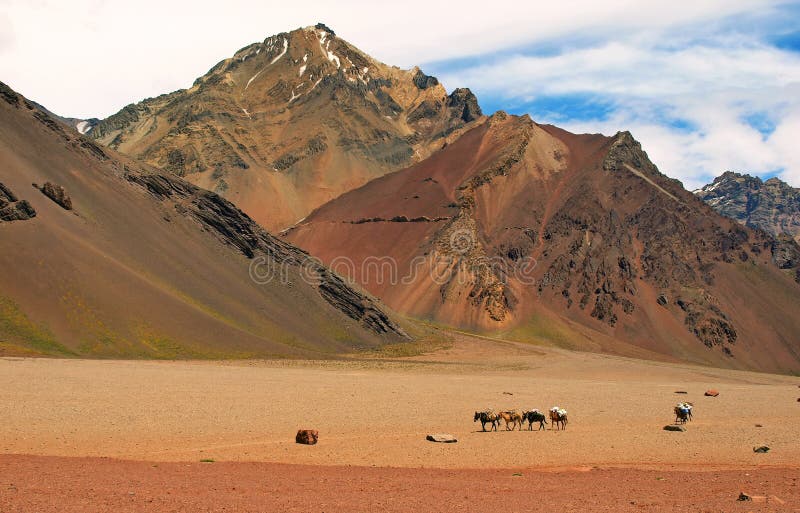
[[298, 118], [771, 205]]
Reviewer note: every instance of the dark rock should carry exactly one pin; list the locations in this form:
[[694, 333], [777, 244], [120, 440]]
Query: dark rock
[[681, 392], [19, 211], [464, 104], [11, 208], [786, 252], [57, 194], [7, 195], [442, 438], [662, 300], [8, 94], [423, 81], [428, 109], [673, 427], [236, 229], [93, 149], [761, 449], [307, 436], [743, 497], [322, 26], [711, 393]]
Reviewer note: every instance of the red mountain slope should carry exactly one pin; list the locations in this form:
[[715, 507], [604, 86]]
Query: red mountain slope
[[533, 233]]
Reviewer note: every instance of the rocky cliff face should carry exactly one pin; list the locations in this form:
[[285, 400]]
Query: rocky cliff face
[[772, 205], [291, 122]]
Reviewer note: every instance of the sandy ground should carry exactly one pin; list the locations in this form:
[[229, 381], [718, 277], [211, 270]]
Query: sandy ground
[[66, 485], [376, 413]]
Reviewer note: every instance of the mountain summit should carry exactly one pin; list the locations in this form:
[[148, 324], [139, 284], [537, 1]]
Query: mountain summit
[[772, 205], [289, 123]]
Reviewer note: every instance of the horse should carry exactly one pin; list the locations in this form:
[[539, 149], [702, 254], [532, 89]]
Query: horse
[[534, 416], [512, 418], [558, 418], [486, 417], [683, 413]]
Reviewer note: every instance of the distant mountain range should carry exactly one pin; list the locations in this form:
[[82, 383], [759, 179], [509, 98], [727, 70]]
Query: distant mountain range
[[492, 224], [772, 205]]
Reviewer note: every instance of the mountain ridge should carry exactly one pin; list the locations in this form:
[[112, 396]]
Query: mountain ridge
[[115, 259]]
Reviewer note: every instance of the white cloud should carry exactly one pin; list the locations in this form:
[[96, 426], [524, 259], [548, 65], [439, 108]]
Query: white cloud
[[91, 57], [689, 106]]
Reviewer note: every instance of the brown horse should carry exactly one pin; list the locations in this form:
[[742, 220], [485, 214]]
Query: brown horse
[[558, 418], [512, 418]]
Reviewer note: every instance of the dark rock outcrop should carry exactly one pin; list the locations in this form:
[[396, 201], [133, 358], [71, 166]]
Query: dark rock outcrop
[[464, 104], [322, 26], [423, 81], [19, 211], [785, 252], [236, 229], [6, 196], [12, 208], [57, 194]]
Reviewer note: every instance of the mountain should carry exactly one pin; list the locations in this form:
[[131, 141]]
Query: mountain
[[528, 232], [494, 224], [105, 257], [289, 123], [773, 205]]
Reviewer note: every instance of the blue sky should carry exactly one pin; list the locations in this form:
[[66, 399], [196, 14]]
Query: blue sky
[[705, 85], [703, 96]]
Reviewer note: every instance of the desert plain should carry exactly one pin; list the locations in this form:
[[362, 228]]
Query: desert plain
[[94, 435]]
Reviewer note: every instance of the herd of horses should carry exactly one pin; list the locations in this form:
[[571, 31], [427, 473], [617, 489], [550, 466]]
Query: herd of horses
[[558, 417], [516, 419]]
